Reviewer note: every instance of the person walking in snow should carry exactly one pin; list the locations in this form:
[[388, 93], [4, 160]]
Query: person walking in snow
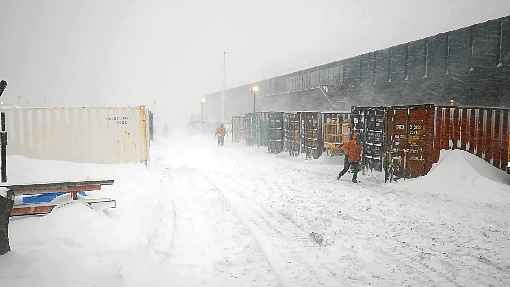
[[352, 151], [220, 133]]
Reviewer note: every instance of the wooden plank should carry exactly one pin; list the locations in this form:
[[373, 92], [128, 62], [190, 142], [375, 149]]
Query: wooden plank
[[85, 182], [32, 209], [43, 209], [68, 187], [54, 188]]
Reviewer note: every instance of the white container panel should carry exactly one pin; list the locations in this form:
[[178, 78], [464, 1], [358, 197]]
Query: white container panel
[[103, 135]]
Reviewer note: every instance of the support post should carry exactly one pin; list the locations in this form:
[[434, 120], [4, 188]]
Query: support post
[[3, 143], [5, 211], [6, 201]]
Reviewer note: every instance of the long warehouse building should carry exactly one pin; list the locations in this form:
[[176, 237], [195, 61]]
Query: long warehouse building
[[468, 66]]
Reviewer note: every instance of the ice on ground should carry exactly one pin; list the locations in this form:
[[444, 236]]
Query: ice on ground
[[200, 215]]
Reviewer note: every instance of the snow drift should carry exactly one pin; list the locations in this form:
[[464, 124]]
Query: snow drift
[[200, 215]]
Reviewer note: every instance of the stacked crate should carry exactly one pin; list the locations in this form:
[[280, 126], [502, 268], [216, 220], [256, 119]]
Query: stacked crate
[[336, 130], [368, 123], [311, 134], [238, 129], [249, 128], [401, 141], [409, 141], [262, 128], [292, 133], [276, 132]]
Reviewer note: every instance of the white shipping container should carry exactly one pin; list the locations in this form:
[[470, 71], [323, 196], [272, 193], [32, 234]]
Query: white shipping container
[[81, 134]]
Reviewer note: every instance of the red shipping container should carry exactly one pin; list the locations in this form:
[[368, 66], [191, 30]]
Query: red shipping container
[[411, 133], [464, 133], [446, 128], [480, 149], [505, 142], [472, 131], [437, 133], [454, 112], [496, 142], [487, 137]]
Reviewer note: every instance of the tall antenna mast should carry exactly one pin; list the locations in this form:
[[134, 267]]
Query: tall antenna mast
[[224, 86]]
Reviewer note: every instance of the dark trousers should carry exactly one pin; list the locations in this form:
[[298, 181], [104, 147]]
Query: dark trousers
[[221, 140], [348, 164]]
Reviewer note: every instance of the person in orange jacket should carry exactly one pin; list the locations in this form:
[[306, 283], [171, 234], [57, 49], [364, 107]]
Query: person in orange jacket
[[352, 151], [220, 133]]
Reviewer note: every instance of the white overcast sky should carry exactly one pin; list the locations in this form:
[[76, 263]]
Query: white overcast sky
[[167, 54]]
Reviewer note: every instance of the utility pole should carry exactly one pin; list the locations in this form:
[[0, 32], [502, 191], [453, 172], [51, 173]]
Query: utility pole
[[6, 201], [202, 117], [224, 86]]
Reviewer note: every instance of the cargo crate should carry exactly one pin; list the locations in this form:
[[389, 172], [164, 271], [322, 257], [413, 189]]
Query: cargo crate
[[262, 128], [336, 130], [292, 133], [80, 134], [311, 134], [368, 123], [238, 129], [276, 132], [249, 125], [409, 141], [482, 131]]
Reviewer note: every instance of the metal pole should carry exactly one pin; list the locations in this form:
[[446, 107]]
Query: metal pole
[[202, 112], [224, 86], [3, 143], [253, 92]]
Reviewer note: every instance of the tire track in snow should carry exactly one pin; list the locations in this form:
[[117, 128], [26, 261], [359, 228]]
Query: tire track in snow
[[161, 240], [290, 262], [423, 273], [386, 216], [413, 259], [206, 217], [411, 265], [235, 213]]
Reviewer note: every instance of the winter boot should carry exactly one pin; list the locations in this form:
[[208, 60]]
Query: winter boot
[[355, 177]]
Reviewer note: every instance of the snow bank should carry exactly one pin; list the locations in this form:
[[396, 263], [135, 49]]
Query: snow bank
[[463, 177], [200, 215], [79, 246]]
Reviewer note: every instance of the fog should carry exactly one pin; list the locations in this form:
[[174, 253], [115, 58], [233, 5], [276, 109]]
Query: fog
[[168, 54]]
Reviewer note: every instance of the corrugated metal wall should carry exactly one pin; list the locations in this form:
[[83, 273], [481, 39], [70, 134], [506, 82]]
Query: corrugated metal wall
[[469, 65], [82, 134], [482, 131]]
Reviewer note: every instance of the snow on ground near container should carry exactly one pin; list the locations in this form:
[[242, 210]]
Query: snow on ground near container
[[200, 215]]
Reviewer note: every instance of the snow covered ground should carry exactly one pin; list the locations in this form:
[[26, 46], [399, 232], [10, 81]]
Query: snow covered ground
[[200, 215]]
